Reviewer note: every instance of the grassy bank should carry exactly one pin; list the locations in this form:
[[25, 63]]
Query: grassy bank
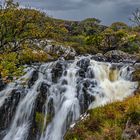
[[108, 122]]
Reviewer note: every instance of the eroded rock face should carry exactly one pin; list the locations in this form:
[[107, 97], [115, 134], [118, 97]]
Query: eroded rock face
[[8, 109]]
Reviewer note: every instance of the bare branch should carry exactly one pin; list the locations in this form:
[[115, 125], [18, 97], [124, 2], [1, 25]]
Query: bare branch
[[136, 17]]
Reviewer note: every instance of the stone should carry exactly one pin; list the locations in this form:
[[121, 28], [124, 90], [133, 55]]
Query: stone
[[85, 99], [120, 56], [33, 78], [84, 63], [99, 57], [2, 84], [8, 109], [131, 131], [57, 70], [66, 52], [42, 97]]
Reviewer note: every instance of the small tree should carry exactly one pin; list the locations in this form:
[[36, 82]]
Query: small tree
[[8, 4], [136, 17], [18, 26], [118, 26]]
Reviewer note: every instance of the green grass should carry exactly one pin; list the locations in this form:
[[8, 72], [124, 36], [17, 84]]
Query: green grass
[[108, 122]]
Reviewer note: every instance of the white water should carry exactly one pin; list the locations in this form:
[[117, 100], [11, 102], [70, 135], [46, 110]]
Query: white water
[[20, 124], [63, 105], [5, 93], [112, 84]]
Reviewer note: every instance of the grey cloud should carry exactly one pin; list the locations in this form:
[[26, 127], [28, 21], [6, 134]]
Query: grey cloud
[[57, 5], [107, 10], [60, 5]]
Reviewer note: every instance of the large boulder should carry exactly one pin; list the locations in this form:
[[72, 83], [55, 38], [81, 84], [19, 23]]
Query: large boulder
[[120, 56], [83, 63], [58, 70], [99, 57], [42, 97], [33, 78], [66, 52]]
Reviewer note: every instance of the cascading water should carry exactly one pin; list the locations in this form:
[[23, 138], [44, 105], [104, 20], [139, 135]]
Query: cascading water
[[61, 91]]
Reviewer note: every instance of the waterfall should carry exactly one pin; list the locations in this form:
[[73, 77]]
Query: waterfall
[[62, 91]]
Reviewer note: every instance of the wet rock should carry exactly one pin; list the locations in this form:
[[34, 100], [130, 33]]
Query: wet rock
[[8, 109], [88, 98], [2, 84], [65, 72], [44, 88], [39, 108], [90, 73], [89, 83], [42, 97], [81, 73], [84, 63], [64, 82], [99, 57], [62, 89], [33, 78], [85, 99], [57, 70], [51, 110], [69, 120]]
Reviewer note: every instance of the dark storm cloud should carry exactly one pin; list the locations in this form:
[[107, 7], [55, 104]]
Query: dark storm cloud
[[56, 5], [62, 4], [71, 4], [107, 10]]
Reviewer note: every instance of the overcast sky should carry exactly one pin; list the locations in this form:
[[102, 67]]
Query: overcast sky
[[107, 11]]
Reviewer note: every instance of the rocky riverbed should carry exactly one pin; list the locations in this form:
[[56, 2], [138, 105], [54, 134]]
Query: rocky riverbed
[[44, 102]]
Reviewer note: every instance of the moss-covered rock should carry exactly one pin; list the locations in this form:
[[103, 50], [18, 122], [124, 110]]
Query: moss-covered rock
[[136, 75], [42, 121]]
